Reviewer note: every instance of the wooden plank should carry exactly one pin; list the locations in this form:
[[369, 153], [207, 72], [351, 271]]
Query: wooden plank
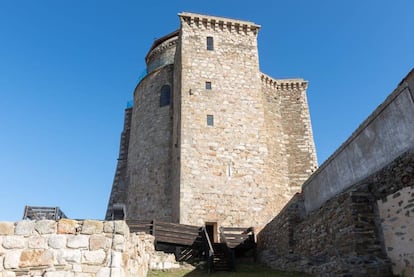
[[177, 226], [234, 229], [174, 240], [230, 237], [159, 228]]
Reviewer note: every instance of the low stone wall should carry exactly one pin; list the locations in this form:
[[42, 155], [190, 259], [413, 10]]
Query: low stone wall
[[73, 248], [365, 231]]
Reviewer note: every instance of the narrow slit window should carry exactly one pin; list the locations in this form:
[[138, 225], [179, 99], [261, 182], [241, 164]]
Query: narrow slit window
[[210, 120], [208, 85], [165, 96], [210, 43]]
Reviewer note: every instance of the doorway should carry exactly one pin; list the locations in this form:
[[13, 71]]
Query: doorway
[[211, 228]]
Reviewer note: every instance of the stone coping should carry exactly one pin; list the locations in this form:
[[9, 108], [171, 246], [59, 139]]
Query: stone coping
[[217, 21]]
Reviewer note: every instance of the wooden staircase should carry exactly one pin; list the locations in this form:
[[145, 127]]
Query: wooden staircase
[[222, 260], [192, 243]]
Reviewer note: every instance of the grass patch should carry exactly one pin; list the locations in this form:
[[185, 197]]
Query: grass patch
[[243, 270]]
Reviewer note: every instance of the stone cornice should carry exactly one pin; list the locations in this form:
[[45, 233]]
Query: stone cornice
[[219, 23], [284, 84], [171, 42]]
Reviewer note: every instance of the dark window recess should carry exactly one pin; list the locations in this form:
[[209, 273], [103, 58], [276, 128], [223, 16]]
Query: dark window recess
[[165, 96], [208, 85], [210, 43], [210, 120]]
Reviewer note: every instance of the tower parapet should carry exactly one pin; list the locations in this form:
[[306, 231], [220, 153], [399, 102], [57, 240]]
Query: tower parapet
[[220, 23], [162, 52]]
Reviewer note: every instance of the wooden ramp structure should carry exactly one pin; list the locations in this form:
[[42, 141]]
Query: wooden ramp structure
[[190, 243]]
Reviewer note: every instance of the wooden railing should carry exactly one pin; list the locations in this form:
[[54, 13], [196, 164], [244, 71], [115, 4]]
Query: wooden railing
[[167, 232], [235, 237], [208, 250]]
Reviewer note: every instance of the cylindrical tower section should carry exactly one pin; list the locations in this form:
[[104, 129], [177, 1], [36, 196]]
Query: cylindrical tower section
[[150, 145], [162, 52]]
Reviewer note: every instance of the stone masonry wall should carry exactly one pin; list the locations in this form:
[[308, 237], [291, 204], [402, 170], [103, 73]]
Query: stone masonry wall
[[73, 249], [149, 154], [364, 231], [222, 166]]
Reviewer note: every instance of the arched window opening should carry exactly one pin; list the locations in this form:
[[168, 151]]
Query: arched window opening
[[165, 97]]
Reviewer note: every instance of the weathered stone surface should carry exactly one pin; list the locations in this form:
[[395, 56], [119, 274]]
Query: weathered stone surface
[[117, 227], [118, 243], [113, 272], [98, 242], [37, 242], [78, 241], [12, 259], [69, 256], [67, 226], [57, 241], [25, 228], [82, 274], [8, 274], [45, 227], [59, 274], [92, 227], [37, 257], [397, 222], [12, 242], [355, 227], [94, 257], [6, 228]]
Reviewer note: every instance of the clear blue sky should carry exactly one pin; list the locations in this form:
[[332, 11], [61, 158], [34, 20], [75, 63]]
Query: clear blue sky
[[67, 69]]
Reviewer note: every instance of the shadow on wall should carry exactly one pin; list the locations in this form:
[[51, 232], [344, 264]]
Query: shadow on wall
[[355, 215]]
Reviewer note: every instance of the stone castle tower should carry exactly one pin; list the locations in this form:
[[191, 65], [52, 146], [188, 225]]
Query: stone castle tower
[[210, 139]]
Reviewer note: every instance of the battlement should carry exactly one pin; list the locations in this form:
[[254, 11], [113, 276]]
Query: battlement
[[284, 84], [219, 23]]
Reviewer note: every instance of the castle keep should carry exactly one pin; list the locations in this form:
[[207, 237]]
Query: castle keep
[[211, 139]]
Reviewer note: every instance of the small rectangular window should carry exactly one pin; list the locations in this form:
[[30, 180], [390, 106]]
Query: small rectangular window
[[208, 85], [210, 120], [210, 43]]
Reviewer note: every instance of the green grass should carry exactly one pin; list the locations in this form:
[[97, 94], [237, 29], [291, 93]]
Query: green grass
[[244, 270]]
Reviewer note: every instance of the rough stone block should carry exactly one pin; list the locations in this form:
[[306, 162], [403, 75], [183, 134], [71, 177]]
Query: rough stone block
[[6, 228], [113, 272], [98, 242], [94, 257], [118, 243], [37, 242], [82, 274], [65, 256], [25, 228], [45, 227], [57, 241], [117, 227], [36, 257], [90, 268], [67, 226], [14, 242], [8, 274], [78, 241], [11, 259], [117, 260], [59, 274], [92, 227]]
